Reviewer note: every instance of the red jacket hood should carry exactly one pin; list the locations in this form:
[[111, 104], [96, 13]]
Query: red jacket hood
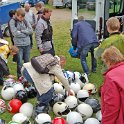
[[118, 76]]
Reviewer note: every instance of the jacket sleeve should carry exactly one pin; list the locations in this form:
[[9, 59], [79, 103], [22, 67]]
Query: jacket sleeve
[[74, 35], [15, 31], [28, 30], [57, 71], [38, 33], [110, 102]]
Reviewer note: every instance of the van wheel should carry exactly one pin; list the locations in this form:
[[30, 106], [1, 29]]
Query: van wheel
[[6, 32], [57, 7]]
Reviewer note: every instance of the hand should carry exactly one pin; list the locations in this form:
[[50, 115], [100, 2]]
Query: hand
[[71, 93], [11, 76], [41, 50]]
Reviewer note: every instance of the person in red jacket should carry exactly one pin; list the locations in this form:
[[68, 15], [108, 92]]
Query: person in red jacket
[[112, 90]]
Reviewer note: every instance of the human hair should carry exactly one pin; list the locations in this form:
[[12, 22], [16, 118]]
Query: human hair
[[80, 18], [13, 49], [12, 13], [27, 4], [39, 4], [113, 23], [46, 10], [21, 12], [112, 56]]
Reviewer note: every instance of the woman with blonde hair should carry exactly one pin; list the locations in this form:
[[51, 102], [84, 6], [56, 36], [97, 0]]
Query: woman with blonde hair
[[112, 90]]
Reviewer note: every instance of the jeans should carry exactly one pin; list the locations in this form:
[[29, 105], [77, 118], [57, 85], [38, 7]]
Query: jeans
[[43, 99], [27, 76], [83, 55], [51, 51], [23, 54]]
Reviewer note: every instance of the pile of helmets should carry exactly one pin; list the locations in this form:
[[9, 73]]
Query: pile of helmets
[[76, 109]]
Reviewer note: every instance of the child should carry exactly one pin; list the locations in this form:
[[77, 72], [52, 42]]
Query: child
[[5, 51], [43, 82]]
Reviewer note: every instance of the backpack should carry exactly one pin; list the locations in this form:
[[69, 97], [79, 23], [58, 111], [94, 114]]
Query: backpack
[[16, 21], [43, 63]]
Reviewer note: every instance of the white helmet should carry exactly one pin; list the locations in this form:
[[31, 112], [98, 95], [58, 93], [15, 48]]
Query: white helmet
[[77, 74], [60, 109], [84, 78], [85, 110], [20, 118], [73, 117], [99, 115], [17, 87], [58, 87], [82, 95], [91, 88], [69, 75], [9, 82], [77, 80], [92, 121], [75, 87], [7, 92], [26, 109], [42, 118], [2, 106], [71, 101]]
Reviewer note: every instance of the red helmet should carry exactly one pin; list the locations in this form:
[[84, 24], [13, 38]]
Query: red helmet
[[59, 120], [14, 105], [2, 106]]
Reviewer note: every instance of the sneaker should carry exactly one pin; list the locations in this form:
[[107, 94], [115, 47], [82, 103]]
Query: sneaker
[[94, 71]]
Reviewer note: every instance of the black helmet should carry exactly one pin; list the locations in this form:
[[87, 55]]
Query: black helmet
[[22, 95], [40, 109], [2, 121], [31, 91], [94, 103], [56, 98]]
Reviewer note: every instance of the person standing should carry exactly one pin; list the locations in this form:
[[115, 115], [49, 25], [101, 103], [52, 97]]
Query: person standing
[[84, 38], [21, 31], [29, 16], [115, 38], [112, 90], [39, 8], [44, 32]]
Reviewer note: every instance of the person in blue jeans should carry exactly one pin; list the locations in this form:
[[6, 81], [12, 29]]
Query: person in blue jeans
[[21, 30], [84, 38]]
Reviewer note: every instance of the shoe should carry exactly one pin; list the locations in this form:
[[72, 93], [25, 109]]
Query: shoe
[[94, 71]]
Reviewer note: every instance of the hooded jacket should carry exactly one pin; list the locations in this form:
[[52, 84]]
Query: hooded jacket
[[112, 95]]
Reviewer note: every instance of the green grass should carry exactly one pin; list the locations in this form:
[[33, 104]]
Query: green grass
[[62, 42]]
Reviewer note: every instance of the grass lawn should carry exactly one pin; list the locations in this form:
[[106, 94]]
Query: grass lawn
[[62, 44]]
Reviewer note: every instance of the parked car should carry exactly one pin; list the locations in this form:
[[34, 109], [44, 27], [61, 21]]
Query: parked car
[[32, 2], [59, 3], [80, 4], [4, 15], [91, 4]]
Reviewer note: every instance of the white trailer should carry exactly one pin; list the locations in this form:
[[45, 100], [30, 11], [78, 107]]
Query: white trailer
[[104, 9]]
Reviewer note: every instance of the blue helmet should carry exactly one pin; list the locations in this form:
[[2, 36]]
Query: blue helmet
[[73, 53]]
